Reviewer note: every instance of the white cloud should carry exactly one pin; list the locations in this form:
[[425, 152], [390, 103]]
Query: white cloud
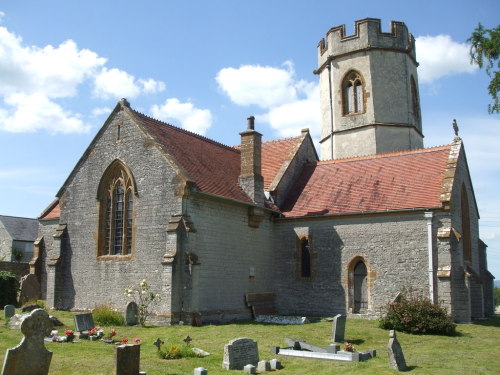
[[191, 118], [33, 79], [2, 15], [29, 113], [288, 119], [101, 111], [263, 86], [440, 56], [291, 105], [115, 83]]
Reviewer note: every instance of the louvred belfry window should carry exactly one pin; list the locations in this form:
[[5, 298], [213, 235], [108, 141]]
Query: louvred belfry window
[[116, 211]]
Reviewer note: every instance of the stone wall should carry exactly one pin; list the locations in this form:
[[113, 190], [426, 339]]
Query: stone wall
[[18, 268], [92, 280], [234, 258], [393, 247]]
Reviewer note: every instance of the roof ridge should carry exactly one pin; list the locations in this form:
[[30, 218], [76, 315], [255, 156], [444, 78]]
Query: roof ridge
[[18, 217], [281, 139], [181, 130], [386, 155]]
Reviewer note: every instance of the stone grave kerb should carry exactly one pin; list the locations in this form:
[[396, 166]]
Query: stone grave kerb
[[30, 356]]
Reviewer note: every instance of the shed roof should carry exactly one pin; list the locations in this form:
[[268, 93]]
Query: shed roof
[[20, 228]]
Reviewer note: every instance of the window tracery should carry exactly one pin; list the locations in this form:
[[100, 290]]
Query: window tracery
[[116, 211], [353, 93]]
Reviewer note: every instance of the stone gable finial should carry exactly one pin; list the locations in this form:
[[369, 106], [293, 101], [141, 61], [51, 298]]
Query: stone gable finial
[[455, 127]]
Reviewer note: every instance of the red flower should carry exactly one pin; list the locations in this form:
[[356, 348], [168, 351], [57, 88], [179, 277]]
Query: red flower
[[124, 341]]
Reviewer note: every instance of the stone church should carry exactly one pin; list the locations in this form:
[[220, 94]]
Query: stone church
[[215, 228]]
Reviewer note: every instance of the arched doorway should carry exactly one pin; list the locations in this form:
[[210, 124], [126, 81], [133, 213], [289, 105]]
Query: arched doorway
[[360, 292]]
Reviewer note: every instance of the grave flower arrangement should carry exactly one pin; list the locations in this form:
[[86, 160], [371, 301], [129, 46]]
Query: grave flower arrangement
[[96, 333], [108, 338], [70, 335]]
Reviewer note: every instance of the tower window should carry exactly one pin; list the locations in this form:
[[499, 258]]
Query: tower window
[[353, 93]]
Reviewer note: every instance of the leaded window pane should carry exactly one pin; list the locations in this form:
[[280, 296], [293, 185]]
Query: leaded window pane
[[118, 220]]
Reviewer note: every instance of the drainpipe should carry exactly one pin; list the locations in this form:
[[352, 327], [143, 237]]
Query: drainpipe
[[329, 67], [428, 216]]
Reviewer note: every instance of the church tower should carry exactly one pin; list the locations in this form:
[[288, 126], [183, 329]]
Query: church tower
[[368, 91]]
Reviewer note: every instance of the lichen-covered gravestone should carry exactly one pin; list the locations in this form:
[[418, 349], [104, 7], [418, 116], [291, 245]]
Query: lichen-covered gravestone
[[131, 314], [240, 352], [338, 328], [30, 289], [30, 357], [396, 357], [9, 311]]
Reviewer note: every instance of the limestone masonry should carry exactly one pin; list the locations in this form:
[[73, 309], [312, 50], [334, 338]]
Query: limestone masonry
[[206, 224]]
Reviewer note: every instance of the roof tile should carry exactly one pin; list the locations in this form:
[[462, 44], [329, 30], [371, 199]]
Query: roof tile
[[387, 182]]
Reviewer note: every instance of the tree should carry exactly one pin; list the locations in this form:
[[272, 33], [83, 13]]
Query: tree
[[485, 52]]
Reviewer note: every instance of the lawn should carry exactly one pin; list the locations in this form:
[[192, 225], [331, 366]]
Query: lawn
[[476, 348]]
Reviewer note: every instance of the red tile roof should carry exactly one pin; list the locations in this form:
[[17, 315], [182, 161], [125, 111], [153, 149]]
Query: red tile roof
[[53, 211], [275, 154], [396, 181], [212, 166]]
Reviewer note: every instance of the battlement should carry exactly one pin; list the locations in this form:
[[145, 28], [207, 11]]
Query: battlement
[[367, 35]]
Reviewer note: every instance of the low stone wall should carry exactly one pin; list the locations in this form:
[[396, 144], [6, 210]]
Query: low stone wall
[[18, 268]]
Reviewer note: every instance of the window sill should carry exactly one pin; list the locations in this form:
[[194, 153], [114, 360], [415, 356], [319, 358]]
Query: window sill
[[105, 258]]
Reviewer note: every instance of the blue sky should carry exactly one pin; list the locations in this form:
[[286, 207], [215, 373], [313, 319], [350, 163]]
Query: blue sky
[[207, 66]]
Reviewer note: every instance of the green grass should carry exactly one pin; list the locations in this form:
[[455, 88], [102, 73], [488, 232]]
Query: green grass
[[476, 348]]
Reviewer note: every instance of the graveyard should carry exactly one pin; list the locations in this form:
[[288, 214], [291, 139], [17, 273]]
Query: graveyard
[[476, 348]]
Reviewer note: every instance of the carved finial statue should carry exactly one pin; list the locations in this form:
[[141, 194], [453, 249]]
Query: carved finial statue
[[455, 127]]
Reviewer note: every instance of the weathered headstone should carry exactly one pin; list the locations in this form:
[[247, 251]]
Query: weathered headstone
[[249, 369], [338, 328], [16, 321], [83, 322], [263, 366], [30, 289], [240, 352], [275, 364], [131, 314], [30, 356], [127, 358], [9, 311], [396, 357], [200, 371]]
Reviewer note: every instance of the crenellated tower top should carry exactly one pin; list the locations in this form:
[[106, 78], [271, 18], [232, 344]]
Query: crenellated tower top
[[367, 35], [368, 91]]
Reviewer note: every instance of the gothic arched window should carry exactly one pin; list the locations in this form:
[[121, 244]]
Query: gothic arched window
[[353, 93], [116, 211]]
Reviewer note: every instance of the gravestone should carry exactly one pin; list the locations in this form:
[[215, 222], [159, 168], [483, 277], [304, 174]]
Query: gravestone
[[240, 352], [9, 311], [263, 366], [131, 314], [30, 289], [200, 371], [275, 364], [30, 356], [83, 322], [396, 357], [16, 321], [127, 358], [249, 369], [338, 328]]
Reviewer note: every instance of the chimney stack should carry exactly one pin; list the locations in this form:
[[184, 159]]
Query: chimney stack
[[251, 180]]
